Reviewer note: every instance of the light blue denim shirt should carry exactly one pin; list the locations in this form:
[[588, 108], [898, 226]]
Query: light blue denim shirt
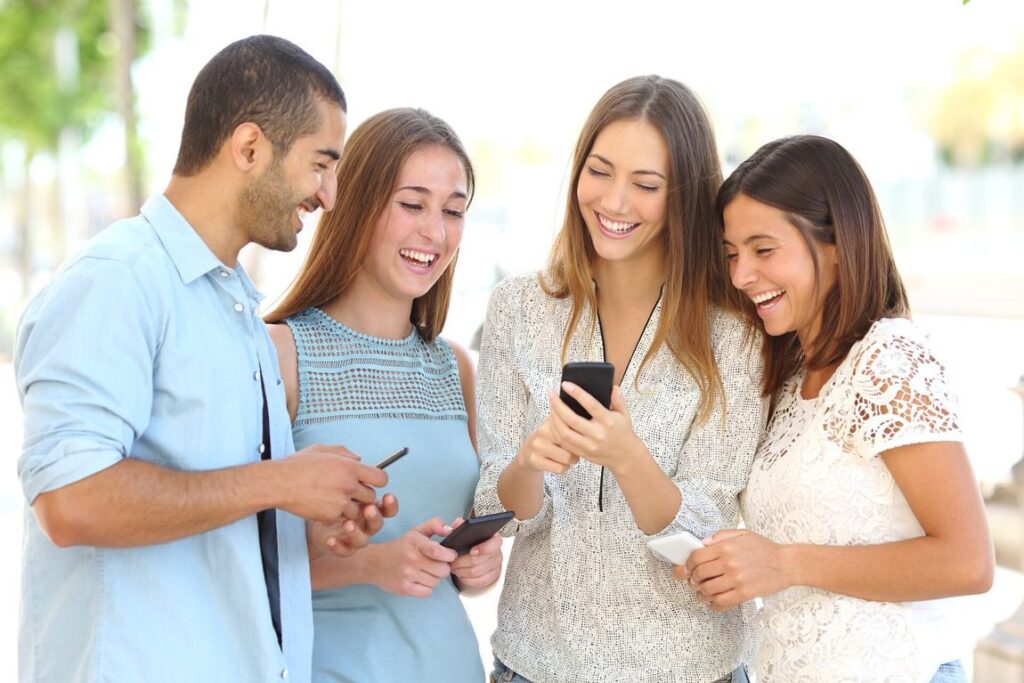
[[146, 346]]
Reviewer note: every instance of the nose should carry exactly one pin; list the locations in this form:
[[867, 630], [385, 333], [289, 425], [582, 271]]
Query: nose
[[616, 201], [328, 191], [432, 228], [741, 273]]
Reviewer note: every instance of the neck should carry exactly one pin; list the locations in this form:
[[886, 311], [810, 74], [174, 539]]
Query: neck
[[211, 211], [368, 310], [623, 284]]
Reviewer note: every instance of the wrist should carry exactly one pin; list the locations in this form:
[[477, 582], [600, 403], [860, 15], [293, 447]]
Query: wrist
[[793, 564], [631, 460]]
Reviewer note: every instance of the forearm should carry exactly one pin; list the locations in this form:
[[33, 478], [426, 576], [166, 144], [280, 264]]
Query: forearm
[[921, 568], [330, 571], [521, 489], [653, 497], [136, 503]]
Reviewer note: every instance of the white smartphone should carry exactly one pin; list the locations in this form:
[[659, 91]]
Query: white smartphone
[[676, 547]]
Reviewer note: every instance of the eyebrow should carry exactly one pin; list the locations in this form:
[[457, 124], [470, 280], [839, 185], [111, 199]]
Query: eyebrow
[[422, 190], [328, 152], [752, 238], [640, 172]]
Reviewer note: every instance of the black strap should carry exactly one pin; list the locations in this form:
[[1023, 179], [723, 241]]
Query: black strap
[[267, 523]]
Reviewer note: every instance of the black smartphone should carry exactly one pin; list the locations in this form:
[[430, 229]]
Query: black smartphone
[[475, 530], [397, 455], [593, 378]]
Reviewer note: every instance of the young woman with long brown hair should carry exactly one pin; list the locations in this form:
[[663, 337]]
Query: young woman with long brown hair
[[357, 337], [861, 507], [629, 282]]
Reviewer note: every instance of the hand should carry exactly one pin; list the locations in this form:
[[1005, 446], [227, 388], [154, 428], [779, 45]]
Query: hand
[[541, 453], [735, 566], [345, 536], [606, 439], [481, 566], [412, 564], [326, 483]]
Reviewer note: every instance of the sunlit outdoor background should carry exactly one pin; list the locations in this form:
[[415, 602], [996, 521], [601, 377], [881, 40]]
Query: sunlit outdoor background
[[927, 94]]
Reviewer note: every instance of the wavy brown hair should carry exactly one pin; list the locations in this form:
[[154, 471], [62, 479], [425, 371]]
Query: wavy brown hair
[[367, 175], [694, 282], [824, 193]]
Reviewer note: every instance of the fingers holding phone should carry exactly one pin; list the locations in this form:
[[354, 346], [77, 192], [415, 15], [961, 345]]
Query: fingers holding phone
[[541, 452], [480, 567], [606, 439], [413, 564]]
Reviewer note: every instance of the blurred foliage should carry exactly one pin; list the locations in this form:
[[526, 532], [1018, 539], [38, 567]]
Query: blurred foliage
[[38, 102], [979, 118]]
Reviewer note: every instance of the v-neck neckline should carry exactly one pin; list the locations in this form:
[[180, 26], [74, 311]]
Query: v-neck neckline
[[639, 339]]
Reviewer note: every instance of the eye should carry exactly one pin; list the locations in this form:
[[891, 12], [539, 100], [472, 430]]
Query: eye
[[647, 188], [764, 251], [731, 256], [597, 173], [411, 206], [455, 213], [322, 166]]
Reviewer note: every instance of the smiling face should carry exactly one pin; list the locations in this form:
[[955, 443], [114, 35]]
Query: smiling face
[[420, 230], [770, 262], [623, 189], [272, 205]]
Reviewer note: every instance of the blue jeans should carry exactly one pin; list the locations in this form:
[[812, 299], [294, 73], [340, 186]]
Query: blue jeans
[[950, 672], [503, 674]]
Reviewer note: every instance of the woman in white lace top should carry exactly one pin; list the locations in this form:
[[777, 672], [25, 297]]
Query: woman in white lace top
[[630, 283], [861, 509]]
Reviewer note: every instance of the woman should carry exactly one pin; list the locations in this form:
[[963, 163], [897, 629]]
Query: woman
[[364, 367], [629, 283], [861, 502]]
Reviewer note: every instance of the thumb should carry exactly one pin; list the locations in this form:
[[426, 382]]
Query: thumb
[[433, 527], [618, 403]]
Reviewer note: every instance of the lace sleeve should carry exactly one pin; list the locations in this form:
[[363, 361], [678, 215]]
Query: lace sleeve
[[900, 392], [501, 404]]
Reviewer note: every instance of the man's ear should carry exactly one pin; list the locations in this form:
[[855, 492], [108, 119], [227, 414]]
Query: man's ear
[[248, 146]]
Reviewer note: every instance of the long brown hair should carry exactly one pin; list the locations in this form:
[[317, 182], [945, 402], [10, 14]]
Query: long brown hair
[[693, 281], [367, 174], [824, 193]]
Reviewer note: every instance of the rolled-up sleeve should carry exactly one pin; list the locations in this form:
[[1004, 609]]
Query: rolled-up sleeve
[[715, 460], [84, 369], [502, 401]]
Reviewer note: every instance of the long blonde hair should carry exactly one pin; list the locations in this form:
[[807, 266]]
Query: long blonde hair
[[367, 175], [695, 275]]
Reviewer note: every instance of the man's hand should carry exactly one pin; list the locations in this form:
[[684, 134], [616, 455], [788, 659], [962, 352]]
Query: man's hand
[[326, 483], [345, 536]]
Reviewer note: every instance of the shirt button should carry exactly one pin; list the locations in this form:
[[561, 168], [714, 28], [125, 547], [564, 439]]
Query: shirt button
[[263, 449], [256, 375], [284, 673], [225, 273], [239, 307]]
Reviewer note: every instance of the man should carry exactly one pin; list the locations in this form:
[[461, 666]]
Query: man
[[167, 541]]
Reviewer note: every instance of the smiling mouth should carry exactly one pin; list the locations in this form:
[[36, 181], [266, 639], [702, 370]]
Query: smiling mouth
[[418, 258], [766, 300], [616, 227]]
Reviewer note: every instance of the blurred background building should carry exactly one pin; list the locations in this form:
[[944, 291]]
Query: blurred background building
[[927, 94]]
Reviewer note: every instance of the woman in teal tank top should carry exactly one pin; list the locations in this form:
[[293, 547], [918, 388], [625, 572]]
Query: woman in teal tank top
[[364, 368]]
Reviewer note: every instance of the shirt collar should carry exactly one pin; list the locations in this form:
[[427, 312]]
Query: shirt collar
[[188, 252]]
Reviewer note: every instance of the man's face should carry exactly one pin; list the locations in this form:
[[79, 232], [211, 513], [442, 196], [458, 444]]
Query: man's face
[[303, 180]]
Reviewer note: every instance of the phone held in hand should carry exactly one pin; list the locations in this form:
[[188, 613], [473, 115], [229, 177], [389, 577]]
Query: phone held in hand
[[675, 548], [475, 530], [593, 378], [394, 457]]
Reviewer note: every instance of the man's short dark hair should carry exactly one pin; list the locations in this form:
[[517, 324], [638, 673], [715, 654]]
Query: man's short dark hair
[[264, 80]]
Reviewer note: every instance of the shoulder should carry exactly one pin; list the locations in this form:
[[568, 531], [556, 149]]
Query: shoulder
[[893, 347], [733, 336], [284, 340], [463, 358]]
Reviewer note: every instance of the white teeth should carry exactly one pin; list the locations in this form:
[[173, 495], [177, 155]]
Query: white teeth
[[615, 226], [420, 256], [764, 296]]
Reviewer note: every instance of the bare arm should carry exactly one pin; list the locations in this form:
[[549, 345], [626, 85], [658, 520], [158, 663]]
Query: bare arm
[[138, 503], [287, 357], [467, 378], [954, 557]]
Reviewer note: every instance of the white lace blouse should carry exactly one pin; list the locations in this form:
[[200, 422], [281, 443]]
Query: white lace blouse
[[817, 478], [583, 599]]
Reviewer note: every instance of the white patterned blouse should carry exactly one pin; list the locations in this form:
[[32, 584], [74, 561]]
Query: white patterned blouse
[[817, 478], [583, 599]]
